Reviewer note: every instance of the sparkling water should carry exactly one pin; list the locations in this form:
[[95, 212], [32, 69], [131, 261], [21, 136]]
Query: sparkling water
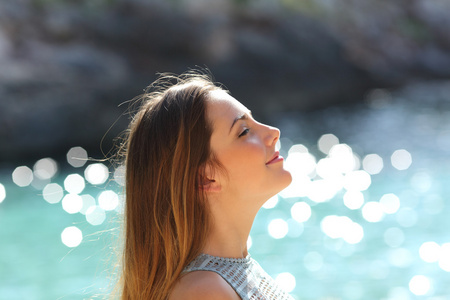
[[366, 216]]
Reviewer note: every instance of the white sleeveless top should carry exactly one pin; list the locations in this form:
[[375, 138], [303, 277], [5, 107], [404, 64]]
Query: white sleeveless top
[[244, 275]]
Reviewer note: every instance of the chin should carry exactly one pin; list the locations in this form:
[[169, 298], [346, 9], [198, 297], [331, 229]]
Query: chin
[[283, 181], [287, 179]]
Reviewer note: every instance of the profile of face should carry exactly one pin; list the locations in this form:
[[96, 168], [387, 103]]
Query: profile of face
[[254, 171]]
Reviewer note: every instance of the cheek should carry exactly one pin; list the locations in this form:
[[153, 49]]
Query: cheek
[[245, 159]]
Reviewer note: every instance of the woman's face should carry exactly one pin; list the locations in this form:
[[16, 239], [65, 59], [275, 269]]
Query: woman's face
[[246, 149]]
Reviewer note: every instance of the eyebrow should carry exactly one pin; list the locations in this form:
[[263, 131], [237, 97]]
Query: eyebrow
[[244, 116]]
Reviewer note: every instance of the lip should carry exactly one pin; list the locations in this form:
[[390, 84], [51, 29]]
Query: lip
[[275, 158]]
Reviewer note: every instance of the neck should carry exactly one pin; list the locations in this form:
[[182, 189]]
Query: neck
[[229, 231]]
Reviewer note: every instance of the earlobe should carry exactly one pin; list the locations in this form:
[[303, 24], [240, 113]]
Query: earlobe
[[209, 185], [206, 180]]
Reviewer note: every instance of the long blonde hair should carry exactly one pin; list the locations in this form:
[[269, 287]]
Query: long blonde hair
[[166, 215]]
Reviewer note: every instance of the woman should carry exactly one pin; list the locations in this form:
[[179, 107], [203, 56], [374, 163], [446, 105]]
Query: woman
[[198, 169]]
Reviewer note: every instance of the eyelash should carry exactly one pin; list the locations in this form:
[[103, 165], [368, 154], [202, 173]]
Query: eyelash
[[244, 132]]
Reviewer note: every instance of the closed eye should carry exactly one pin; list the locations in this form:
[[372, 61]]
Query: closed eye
[[244, 132]]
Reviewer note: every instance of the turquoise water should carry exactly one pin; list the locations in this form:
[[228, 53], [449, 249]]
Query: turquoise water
[[35, 264], [367, 219]]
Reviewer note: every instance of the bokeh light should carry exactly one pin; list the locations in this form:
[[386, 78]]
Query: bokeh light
[[249, 242], [332, 225], [77, 157], [353, 199], [342, 227], [323, 190], [88, 201], [39, 183], [357, 181], [300, 163], [53, 193], [108, 200], [278, 228], [326, 142], [343, 156], [295, 228], [96, 173], [271, 203], [327, 169], [278, 145], [401, 159], [430, 252], [22, 176], [298, 148], [419, 285], [421, 182], [372, 212], [45, 168], [299, 187], [72, 203], [74, 183], [313, 261], [400, 257], [120, 208], [119, 175], [390, 203], [95, 215], [71, 236], [373, 164], [301, 212], [444, 258], [356, 161], [286, 281], [354, 233], [2, 193]]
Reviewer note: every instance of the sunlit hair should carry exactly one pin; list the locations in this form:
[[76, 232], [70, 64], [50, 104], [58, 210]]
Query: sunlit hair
[[166, 215]]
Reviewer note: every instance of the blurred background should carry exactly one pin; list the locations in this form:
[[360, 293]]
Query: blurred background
[[359, 89]]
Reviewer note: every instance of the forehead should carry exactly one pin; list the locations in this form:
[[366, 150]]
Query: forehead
[[223, 108]]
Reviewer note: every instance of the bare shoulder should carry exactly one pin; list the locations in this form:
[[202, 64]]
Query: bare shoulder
[[203, 285]]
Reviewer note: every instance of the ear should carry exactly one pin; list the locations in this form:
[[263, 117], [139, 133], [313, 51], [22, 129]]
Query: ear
[[206, 180], [210, 186]]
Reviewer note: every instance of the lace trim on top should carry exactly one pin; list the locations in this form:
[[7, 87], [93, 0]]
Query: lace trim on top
[[244, 275]]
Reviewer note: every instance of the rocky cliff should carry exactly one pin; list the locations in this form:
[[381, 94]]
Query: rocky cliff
[[67, 65]]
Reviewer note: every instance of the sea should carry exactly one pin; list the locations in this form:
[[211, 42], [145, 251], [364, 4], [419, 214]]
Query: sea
[[366, 216]]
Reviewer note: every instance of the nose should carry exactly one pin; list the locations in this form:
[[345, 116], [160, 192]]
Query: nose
[[273, 134]]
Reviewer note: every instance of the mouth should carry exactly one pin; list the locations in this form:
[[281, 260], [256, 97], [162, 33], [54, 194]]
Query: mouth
[[275, 158]]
